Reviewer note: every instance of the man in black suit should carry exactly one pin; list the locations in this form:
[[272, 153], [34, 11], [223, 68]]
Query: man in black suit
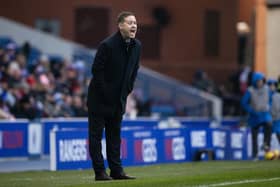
[[114, 71]]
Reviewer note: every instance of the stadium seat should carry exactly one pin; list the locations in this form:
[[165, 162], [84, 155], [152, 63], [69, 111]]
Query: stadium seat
[[164, 110], [4, 40]]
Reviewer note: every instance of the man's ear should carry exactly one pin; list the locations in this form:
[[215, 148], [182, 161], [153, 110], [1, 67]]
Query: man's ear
[[120, 25]]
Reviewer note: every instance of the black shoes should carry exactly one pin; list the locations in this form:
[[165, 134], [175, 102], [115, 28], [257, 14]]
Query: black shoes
[[121, 176], [102, 176], [265, 148]]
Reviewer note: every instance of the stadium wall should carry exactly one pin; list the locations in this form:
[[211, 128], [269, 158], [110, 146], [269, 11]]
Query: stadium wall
[[44, 42], [273, 42], [182, 48]]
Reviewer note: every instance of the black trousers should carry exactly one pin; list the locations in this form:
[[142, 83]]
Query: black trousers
[[267, 128], [278, 137], [112, 127]]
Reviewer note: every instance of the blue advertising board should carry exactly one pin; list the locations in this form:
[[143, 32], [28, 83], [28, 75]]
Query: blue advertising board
[[13, 138], [199, 139], [174, 145], [194, 122], [49, 124], [69, 148], [141, 147], [219, 143], [238, 142], [142, 142]]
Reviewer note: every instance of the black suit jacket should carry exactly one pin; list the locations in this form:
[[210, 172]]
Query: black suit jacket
[[114, 71]]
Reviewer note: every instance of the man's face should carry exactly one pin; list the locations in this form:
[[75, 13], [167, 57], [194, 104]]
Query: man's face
[[260, 83], [272, 87], [128, 27]]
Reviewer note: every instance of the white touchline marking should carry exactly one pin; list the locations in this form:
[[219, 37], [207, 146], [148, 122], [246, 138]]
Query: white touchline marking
[[240, 182], [22, 179]]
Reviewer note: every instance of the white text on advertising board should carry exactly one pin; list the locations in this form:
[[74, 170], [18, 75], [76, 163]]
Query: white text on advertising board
[[178, 148], [149, 150], [72, 150]]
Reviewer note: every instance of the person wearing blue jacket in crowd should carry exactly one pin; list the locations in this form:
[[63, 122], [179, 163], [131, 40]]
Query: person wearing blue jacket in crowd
[[257, 102], [275, 108]]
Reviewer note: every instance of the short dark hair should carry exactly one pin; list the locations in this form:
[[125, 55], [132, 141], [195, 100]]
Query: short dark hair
[[123, 15]]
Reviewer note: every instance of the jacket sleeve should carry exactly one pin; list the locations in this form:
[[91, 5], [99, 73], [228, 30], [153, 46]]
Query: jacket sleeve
[[245, 103], [270, 98], [98, 67], [133, 77], [134, 73], [273, 108]]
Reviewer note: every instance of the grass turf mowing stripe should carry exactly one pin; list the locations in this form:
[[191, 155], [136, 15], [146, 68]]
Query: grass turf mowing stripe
[[164, 175], [240, 182]]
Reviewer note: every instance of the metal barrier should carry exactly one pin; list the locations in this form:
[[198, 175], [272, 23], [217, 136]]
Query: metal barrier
[[184, 98]]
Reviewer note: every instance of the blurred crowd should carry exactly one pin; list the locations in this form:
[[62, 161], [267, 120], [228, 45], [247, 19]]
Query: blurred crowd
[[42, 88], [48, 86], [231, 92], [57, 87]]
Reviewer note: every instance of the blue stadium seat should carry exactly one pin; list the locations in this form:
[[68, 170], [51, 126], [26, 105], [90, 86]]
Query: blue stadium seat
[[164, 110], [4, 40], [55, 58], [33, 56]]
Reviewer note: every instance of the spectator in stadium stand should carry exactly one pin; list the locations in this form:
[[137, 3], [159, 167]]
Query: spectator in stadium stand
[[114, 71], [131, 110], [275, 109], [4, 60], [257, 102], [203, 82], [26, 48], [278, 84], [244, 81], [4, 111], [25, 108], [11, 51], [143, 106], [2, 54], [78, 108], [6, 115]]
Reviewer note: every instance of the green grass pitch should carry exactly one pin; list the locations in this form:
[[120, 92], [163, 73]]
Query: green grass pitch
[[203, 174]]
